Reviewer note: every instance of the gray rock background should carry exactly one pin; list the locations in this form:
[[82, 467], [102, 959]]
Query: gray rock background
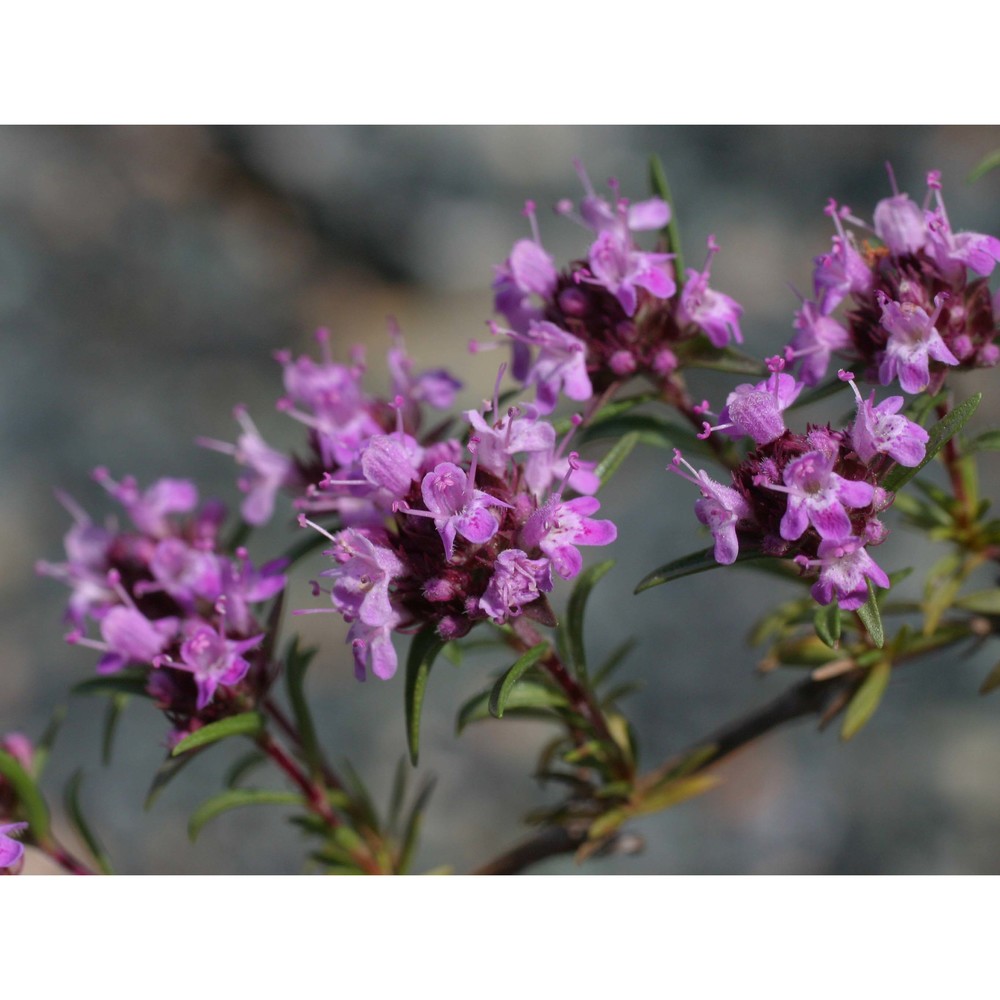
[[146, 275]]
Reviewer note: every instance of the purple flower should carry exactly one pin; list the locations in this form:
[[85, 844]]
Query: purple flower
[[130, 637], [516, 581], [716, 314], [243, 585], [392, 462], [558, 527], [842, 271], [436, 387], [150, 510], [844, 565], [185, 573], [953, 250], [561, 365], [618, 266], [212, 659], [372, 645], [755, 410], [879, 430], [720, 509], [818, 496], [899, 224], [267, 469], [457, 507], [511, 435], [913, 341], [361, 577], [818, 337], [11, 851]]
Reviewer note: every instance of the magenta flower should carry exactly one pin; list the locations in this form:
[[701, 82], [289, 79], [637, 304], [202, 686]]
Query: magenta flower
[[818, 496], [130, 637], [372, 646], [899, 224], [185, 573], [879, 430], [361, 577], [457, 507], [953, 250], [11, 851], [558, 527], [212, 659], [511, 435], [818, 337], [618, 266], [842, 271], [150, 510], [716, 314], [437, 386], [516, 581], [913, 341], [720, 509], [755, 410], [844, 566], [561, 365]]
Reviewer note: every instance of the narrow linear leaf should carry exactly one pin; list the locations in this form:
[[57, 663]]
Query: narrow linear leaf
[[866, 699], [245, 724], [236, 798], [673, 793], [730, 360], [651, 430], [987, 441], [505, 683], [696, 562], [658, 182], [71, 799], [112, 715], [991, 682], [989, 162], [411, 831], [828, 388], [939, 435], [43, 748], [359, 801], [166, 773], [827, 621], [424, 648], [397, 794], [982, 602], [614, 661], [871, 617], [247, 763], [608, 465], [575, 612], [131, 682], [296, 664], [529, 699], [27, 794]]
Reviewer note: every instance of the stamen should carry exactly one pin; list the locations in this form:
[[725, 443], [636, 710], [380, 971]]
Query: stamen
[[529, 213], [305, 522]]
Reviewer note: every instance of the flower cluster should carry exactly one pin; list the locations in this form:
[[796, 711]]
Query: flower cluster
[[328, 398], [163, 596], [616, 313], [452, 535], [814, 496], [916, 303]]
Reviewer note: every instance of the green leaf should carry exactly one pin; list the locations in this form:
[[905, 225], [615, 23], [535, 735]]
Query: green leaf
[[71, 799], [575, 611], [992, 681], [827, 622], [131, 681], [987, 441], [245, 724], [651, 429], [242, 767], [608, 465], [296, 664], [729, 360], [871, 618], [940, 434], [614, 661], [828, 388], [658, 182], [166, 773], [411, 831], [116, 705], [866, 699], [397, 794], [424, 648], [27, 795], [505, 684], [989, 162], [43, 748], [982, 602], [529, 699], [236, 798], [696, 562], [360, 802]]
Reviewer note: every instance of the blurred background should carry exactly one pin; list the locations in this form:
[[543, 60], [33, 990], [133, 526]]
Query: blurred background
[[146, 277]]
